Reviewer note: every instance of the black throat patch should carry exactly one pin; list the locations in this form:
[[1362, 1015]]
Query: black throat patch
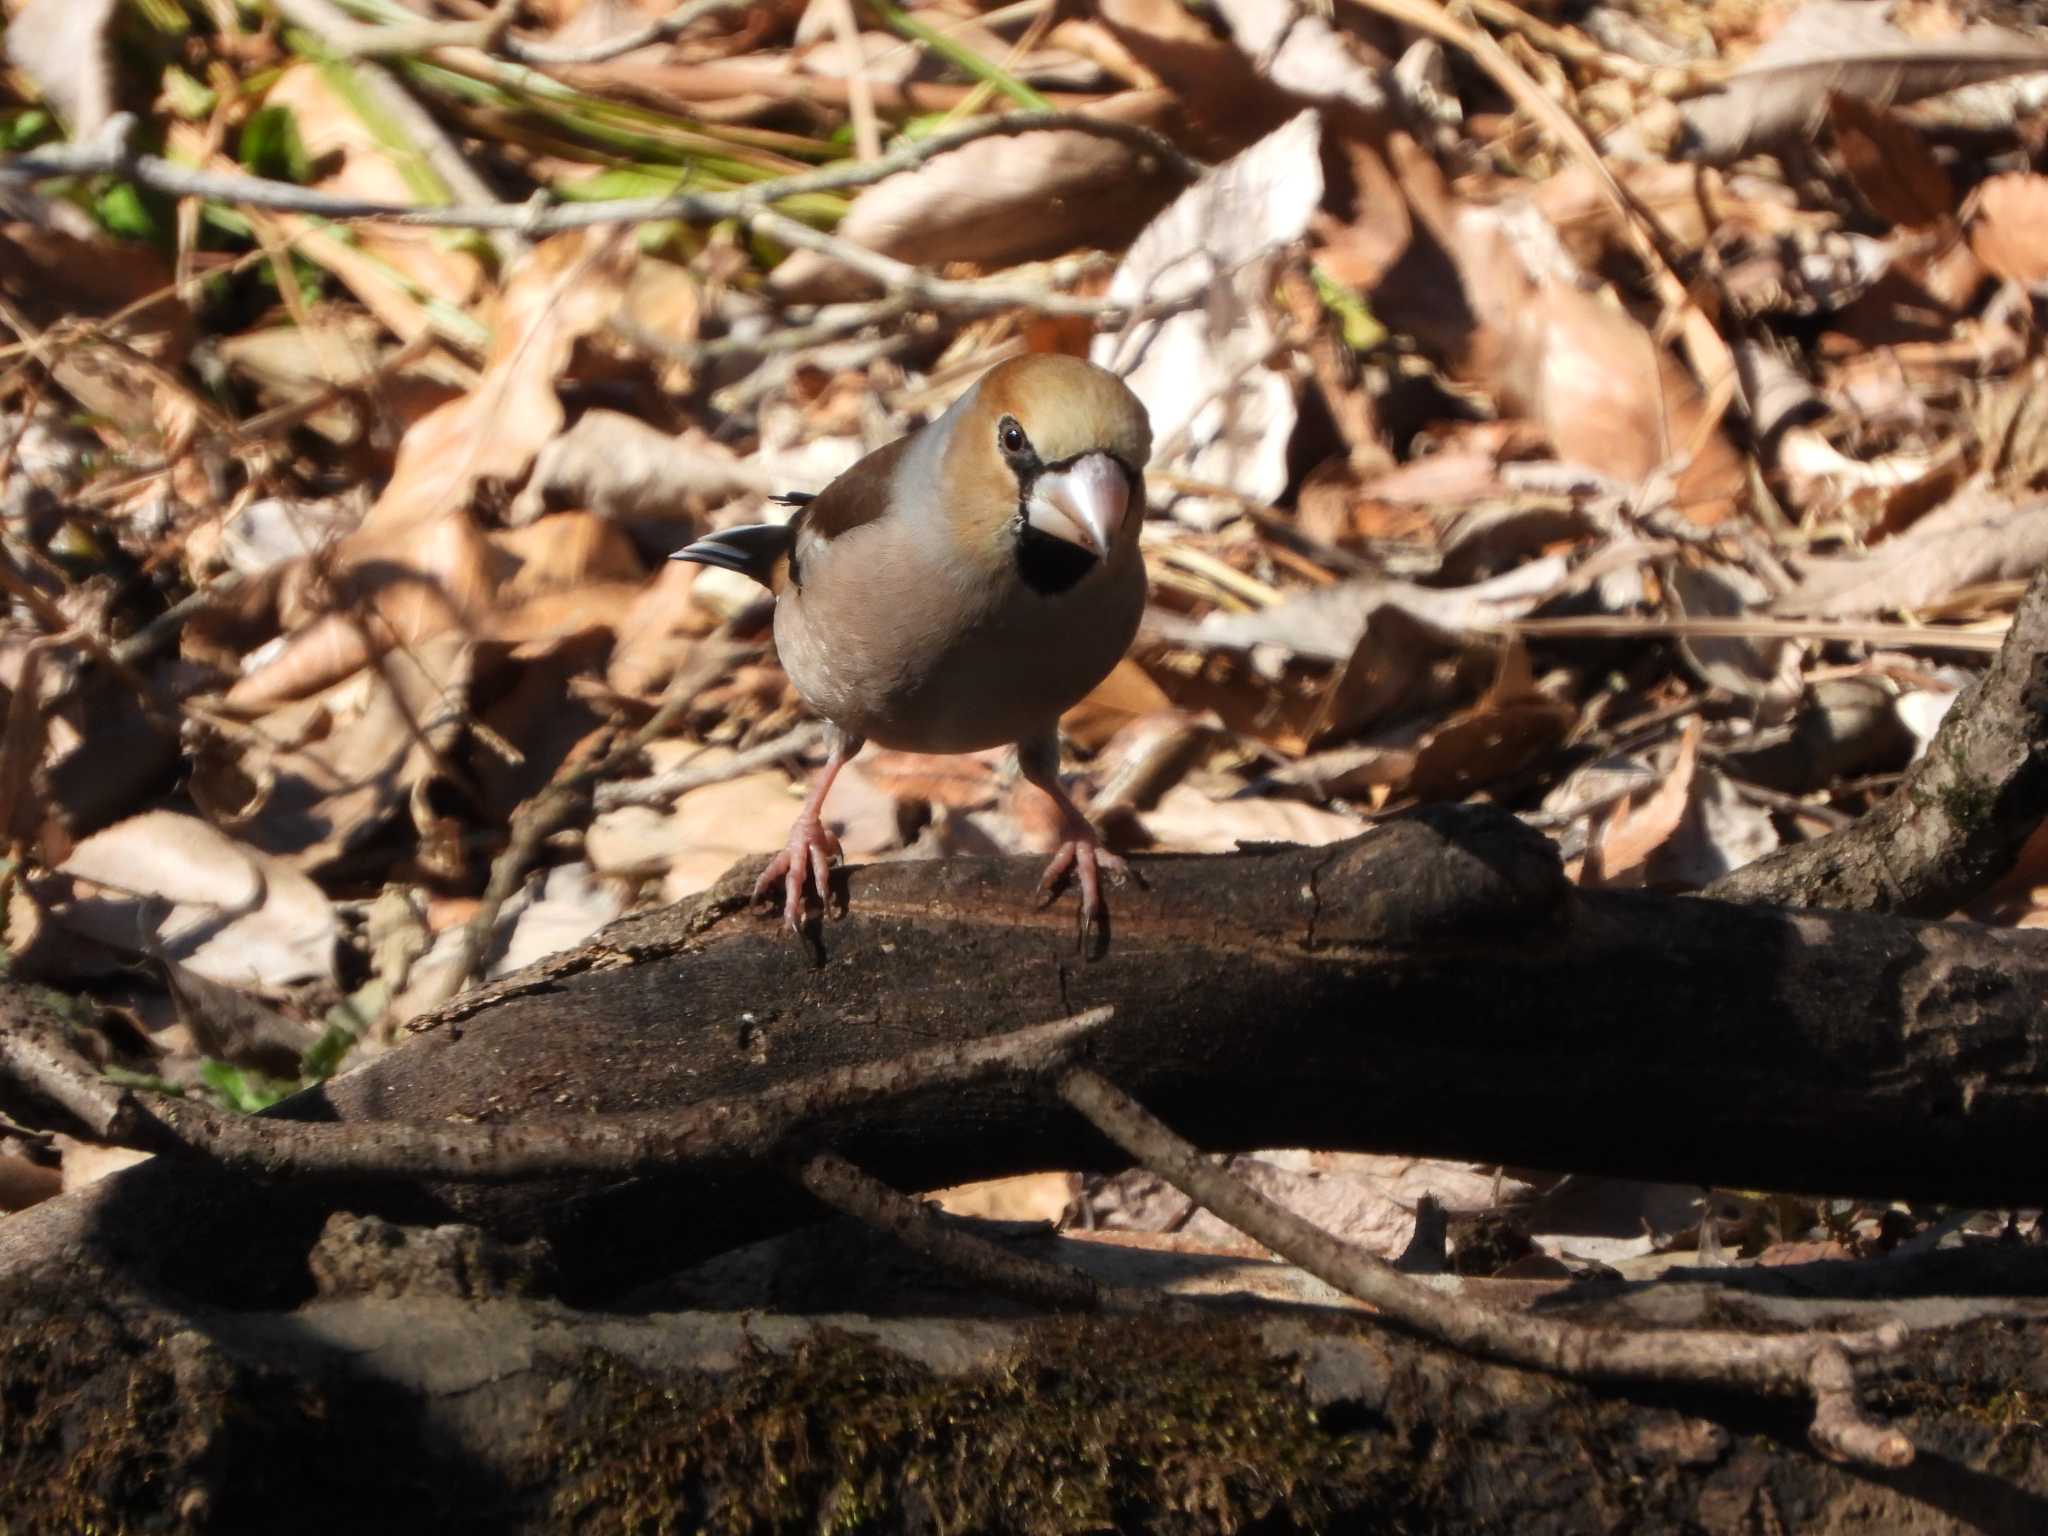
[[1048, 564]]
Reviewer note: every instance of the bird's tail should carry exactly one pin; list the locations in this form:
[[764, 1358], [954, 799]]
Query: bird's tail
[[759, 550]]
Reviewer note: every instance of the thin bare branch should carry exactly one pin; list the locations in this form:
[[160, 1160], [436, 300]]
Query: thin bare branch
[[614, 1146], [111, 153], [919, 1227], [330, 23], [669, 26], [1782, 1365], [664, 788]]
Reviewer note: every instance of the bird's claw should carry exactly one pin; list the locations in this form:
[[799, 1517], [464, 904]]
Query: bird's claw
[[1084, 857], [806, 861]]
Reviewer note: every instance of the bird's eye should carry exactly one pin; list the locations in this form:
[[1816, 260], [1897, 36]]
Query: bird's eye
[[1011, 436]]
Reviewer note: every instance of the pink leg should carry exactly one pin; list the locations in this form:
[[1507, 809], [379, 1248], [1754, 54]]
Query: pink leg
[[1080, 851], [811, 849]]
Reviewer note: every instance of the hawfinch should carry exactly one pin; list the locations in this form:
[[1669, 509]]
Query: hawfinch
[[960, 589]]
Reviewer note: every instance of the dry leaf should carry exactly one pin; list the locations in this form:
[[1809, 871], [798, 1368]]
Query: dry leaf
[[321, 782], [233, 1024], [618, 466], [61, 45], [550, 913], [387, 588], [564, 552], [1981, 535], [1188, 821], [657, 630], [1634, 830], [1226, 103], [1026, 1197], [23, 1183], [1003, 200], [1607, 395], [385, 266], [1721, 831], [1327, 623], [2009, 228], [1303, 54], [1218, 414], [702, 835], [1764, 670], [961, 781], [1846, 47], [1127, 694], [1890, 163], [167, 884], [561, 291]]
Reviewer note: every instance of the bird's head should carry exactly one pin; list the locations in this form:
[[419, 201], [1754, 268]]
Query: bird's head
[[1047, 456]]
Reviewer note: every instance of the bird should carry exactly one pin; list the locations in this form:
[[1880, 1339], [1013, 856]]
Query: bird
[[959, 589]]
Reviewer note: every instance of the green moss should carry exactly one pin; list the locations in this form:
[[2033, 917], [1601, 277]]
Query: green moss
[[1118, 1427]]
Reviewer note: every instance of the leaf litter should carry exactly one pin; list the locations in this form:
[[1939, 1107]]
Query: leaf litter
[[331, 546]]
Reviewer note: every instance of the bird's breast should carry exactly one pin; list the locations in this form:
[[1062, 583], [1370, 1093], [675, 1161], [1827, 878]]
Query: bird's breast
[[928, 660]]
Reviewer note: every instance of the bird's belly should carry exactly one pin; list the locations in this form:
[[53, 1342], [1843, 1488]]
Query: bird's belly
[[996, 679]]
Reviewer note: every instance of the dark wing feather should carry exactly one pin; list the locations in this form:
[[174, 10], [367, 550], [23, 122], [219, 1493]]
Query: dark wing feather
[[859, 496], [767, 551]]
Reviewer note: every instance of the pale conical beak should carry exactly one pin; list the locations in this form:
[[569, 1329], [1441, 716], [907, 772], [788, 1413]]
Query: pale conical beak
[[1084, 503]]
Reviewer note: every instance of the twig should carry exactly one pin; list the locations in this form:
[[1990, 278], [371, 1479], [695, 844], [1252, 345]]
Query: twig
[[1906, 636], [35, 1055], [626, 42], [829, 323], [666, 788], [163, 629], [355, 40], [867, 132], [744, 1129], [1782, 1365], [111, 153], [330, 24], [856, 1193], [849, 356]]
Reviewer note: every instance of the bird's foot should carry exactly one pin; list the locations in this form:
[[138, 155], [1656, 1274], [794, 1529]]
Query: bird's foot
[[1082, 855], [806, 861]]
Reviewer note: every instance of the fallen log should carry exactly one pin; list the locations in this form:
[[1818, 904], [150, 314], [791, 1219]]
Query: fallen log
[[1432, 987]]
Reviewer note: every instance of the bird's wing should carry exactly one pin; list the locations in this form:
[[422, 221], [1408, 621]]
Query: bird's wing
[[773, 553]]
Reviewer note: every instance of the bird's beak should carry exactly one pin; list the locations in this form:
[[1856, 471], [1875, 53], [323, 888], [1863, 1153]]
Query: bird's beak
[[1084, 503]]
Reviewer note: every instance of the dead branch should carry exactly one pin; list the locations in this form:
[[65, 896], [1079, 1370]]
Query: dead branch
[[1778, 1365], [665, 788], [113, 153], [851, 1192], [616, 1146]]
